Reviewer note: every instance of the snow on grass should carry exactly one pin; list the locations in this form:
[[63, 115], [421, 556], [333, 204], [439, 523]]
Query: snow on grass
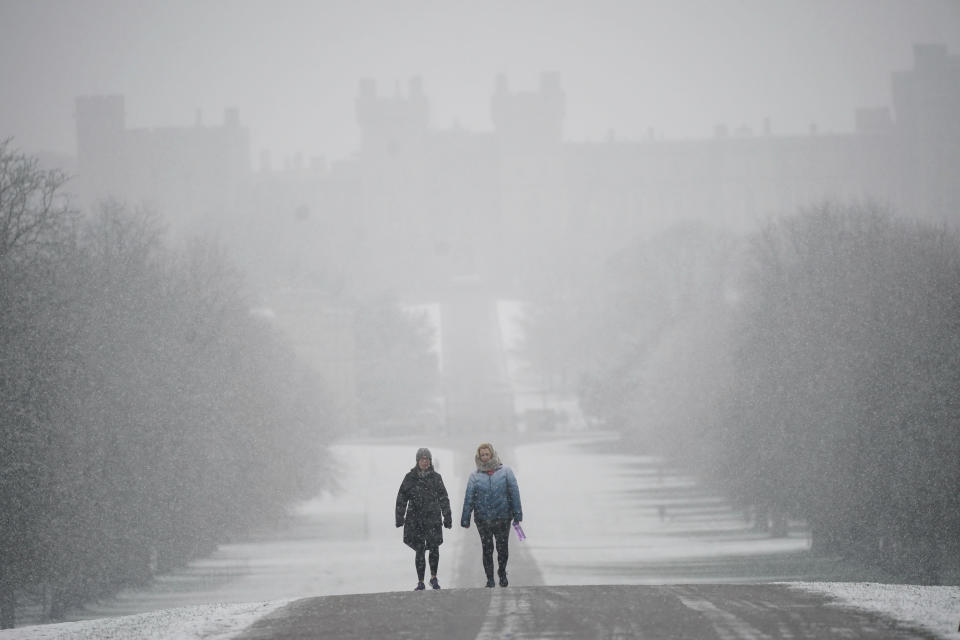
[[935, 609], [207, 622], [629, 512], [342, 543]]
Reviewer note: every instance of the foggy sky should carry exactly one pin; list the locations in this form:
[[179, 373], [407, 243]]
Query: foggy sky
[[292, 67]]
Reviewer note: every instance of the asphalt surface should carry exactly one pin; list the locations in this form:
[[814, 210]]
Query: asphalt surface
[[530, 609], [722, 612]]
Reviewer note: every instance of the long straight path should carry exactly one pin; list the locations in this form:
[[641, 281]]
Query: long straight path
[[704, 612], [347, 544]]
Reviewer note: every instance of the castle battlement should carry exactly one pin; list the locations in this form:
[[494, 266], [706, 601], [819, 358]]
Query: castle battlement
[[525, 119]]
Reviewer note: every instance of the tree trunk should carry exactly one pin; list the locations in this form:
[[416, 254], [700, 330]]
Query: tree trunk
[[8, 605], [780, 525]]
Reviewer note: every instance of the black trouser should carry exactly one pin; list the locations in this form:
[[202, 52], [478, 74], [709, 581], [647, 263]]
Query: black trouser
[[490, 531], [421, 563]]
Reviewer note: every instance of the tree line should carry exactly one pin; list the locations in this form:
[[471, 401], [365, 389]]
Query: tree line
[[810, 370], [146, 414], [846, 395]]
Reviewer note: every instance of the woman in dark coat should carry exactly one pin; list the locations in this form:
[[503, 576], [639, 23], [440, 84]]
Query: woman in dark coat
[[422, 506]]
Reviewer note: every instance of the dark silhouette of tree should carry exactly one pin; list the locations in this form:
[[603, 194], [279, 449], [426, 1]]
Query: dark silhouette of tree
[[35, 227], [813, 374], [146, 413], [848, 373]]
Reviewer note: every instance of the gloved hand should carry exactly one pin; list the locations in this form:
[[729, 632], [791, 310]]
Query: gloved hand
[[448, 524], [399, 524], [465, 524]]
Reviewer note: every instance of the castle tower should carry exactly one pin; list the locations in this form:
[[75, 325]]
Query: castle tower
[[533, 197], [393, 171], [392, 126], [529, 120], [926, 101]]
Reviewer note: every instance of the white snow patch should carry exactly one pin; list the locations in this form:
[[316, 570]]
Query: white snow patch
[[615, 528], [207, 622], [935, 609]]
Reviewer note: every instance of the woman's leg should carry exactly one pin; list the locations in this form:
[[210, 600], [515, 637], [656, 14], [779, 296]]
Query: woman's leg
[[501, 532], [486, 542], [420, 562], [434, 561]]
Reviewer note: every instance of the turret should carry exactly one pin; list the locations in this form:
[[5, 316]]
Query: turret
[[529, 120], [926, 99], [391, 125]]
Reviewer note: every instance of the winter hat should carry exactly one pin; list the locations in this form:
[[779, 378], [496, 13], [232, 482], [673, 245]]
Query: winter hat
[[423, 452]]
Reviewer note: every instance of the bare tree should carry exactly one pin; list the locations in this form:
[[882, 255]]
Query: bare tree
[[33, 209], [35, 225], [145, 414]]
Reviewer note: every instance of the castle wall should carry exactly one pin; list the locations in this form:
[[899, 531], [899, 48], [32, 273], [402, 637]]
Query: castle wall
[[186, 174], [465, 218], [417, 205]]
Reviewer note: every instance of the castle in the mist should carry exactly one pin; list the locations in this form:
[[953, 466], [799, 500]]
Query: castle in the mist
[[420, 205], [465, 217]]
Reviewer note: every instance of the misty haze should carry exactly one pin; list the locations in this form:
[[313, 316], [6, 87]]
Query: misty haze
[[693, 268]]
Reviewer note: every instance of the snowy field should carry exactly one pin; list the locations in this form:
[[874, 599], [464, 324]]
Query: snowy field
[[597, 529], [631, 519]]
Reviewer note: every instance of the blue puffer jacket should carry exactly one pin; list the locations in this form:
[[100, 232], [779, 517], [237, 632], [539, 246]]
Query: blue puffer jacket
[[491, 497]]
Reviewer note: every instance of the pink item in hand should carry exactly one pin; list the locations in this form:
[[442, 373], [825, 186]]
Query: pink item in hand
[[520, 534]]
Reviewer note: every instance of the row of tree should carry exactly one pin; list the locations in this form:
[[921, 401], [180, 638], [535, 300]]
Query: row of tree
[[846, 394], [145, 413], [812, 370]]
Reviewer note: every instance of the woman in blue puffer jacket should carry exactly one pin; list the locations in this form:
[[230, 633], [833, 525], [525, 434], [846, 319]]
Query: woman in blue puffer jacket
[[494, 499]]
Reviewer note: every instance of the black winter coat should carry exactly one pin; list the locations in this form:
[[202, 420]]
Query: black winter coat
[[422, 507]]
